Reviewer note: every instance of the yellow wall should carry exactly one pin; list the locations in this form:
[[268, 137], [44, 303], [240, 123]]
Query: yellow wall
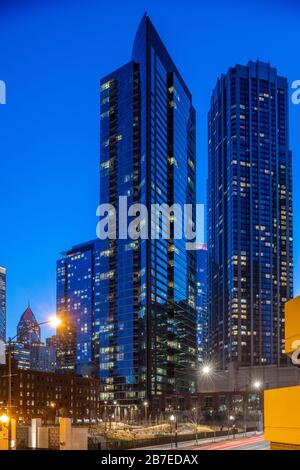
[[282, 406], [292, 324], [282, 415]]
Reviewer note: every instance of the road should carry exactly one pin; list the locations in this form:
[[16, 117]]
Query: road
[[255, 442], [252, 441]]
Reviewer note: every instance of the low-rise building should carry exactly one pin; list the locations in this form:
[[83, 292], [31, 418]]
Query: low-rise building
[[47, 395]]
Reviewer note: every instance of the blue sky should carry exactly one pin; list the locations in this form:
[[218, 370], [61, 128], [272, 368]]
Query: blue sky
[[53, 54]]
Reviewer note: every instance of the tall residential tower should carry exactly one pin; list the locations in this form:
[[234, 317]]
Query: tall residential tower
[[250, 233], [147, 318]]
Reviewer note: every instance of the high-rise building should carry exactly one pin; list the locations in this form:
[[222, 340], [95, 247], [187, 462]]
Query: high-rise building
[[28, 329], [52, 341], [29, 351], [2, 303], [147, 314], [77, 295], [250, 231], [21, 353], [201, 302], [43, 357], [2, 352]]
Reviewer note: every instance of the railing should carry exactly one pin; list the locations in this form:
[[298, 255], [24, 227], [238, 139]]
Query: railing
[[161, 440]]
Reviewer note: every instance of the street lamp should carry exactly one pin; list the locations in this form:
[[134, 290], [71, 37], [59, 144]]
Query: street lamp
[[257, 385], [231, 419], [53, 321], [105, 414], [4, 419], [206, 374], [146, 404], [115, 403], [195, 409], [206, 370], [6, 431], [172, 421], [50, 413]]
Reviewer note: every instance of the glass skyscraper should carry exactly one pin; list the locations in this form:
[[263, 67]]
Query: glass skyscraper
[[147, 314], [250, 230], [2, 303], [77, 278]]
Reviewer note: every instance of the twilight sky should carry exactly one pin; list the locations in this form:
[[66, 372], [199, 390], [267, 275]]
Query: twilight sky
[[52, 56]]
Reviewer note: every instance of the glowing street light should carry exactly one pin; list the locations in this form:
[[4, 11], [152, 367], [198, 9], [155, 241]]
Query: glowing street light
[[173, 422], [55, 322], [257, 385], [206, 370], [146, 404], [4, 419]]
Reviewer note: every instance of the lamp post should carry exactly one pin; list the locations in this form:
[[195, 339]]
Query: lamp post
[[5, 423], [52, 410], [196, 409], [55, 322], [115, 410], [146, 405], [172, 420], [231, 419], [206, 372], [105, 416], [258, 386]]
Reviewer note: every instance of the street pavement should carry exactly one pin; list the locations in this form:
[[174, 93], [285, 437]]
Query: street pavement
[[255, 442], [250, 441]]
